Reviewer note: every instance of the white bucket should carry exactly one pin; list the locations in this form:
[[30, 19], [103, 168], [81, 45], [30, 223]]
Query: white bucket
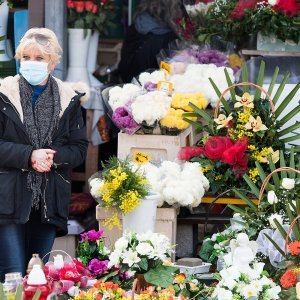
[[143, 218]]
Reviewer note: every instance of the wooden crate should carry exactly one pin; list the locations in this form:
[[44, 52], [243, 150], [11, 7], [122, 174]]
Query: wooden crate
[[166, 223], [159, 147]]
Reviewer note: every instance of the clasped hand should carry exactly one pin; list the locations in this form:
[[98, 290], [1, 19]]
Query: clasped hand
[[42, 159]]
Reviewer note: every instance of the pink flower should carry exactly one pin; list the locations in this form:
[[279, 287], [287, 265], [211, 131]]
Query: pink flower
[[186, 153], [91, 235], [79, 6], [89, 5], [70, 4], [95, 9], [98, 267]]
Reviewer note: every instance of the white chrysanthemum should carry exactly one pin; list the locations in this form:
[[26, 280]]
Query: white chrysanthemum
[[151, 107], [114, 258], [144, 248], [121, 96], [249, 291], [121, 243], [154, 77], [95, 187]]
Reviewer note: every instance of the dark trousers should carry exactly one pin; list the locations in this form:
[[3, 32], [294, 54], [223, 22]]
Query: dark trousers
[[20, 241]]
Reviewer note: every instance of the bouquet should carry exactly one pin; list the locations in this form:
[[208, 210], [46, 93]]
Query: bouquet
[[90, 14], [145, 254], [245, 131], [121, 186], [92, 252], [178, 185]]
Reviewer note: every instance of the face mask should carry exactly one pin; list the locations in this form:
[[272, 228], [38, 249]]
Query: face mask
[[34, 72]]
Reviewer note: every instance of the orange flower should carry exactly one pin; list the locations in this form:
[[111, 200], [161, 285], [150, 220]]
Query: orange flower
[[288, 279], [180, 278], [294, 247]]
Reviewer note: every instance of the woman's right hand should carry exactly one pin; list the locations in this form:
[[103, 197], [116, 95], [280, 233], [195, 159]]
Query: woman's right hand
[[42, 159]]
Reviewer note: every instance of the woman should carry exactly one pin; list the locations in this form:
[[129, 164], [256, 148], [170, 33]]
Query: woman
[[153, 29], [42, 136]]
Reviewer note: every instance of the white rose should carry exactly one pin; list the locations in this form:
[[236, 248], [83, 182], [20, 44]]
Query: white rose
[[273, 217], [272, 198], [121, 243], [144, 248], [272, 2], [288, 183], [298, 290]]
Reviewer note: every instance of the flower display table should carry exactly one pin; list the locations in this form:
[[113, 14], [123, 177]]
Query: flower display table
[[166, 223], [159, 147]]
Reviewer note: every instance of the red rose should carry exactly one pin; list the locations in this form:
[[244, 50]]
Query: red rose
[[89, 5], [79, 6], [289, 7], [95, 9], [236, 154], [216, 145], [70, 4], [104, 1], [241, 6], [186, 153]]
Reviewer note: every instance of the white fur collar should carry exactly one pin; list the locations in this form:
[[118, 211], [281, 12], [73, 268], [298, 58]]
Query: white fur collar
[[9, 86]]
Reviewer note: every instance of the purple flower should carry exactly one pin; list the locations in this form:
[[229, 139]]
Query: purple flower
[[98, 267], [124, 120], [92, 235], [150, 86], [211, 57]]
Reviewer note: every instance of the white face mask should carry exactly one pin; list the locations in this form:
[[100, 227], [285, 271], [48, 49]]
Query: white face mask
[[34, 72]]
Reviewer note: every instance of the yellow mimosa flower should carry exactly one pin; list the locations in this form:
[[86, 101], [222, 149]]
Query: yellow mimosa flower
[[255, 124], [246, 101], [223, 121]]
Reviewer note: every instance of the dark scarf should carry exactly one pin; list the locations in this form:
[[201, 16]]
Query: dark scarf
[[40, 123]]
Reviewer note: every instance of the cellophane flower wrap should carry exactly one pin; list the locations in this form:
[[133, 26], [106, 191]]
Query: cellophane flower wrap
[[120, 186], [123, 119], [91, 14]]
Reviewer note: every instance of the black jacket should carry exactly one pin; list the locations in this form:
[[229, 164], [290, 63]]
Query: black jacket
[[15, 151]]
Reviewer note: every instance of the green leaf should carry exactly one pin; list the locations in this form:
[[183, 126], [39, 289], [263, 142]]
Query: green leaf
[[237, 209], [36, 295], [290, 115], [291, 218], [143, 264], [282, 164], [245, 77], [292, 162], [251, 184], [161, 276], [245, 198], [275, 245], [201, 112], [229, 82], [260, 80], [18, 292], [223, 101], [273, 168], [281, 230], [286, 101], [206, 250], [280, 88], [289, 129], [262, 175], [108, 276], [291, 138], [196, 124], [2, 295], [273, 81]]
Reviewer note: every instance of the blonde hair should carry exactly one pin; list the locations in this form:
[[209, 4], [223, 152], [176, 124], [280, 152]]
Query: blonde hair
[[42, 39]]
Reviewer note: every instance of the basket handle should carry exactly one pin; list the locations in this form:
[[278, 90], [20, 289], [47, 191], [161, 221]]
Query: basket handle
[[243, 84], [135, 287], [288, 234], [264, 184]]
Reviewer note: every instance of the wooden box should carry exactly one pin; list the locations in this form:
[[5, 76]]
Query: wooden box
[[166, 222], [159, 147]]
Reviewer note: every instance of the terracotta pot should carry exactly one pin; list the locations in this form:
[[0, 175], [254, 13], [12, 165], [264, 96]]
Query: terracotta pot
[[142, 283]]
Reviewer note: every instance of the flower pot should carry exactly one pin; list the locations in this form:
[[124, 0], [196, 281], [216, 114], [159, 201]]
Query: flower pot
[[142, 283], [78, 43], [4, 10], [92, 58], [143, 218]]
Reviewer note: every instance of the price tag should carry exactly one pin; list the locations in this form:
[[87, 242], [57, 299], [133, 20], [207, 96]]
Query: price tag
[[141, 158], [165, 66], [165, 86]]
